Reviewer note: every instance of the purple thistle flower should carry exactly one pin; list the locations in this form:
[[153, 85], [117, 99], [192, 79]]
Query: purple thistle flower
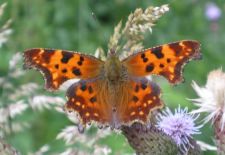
[[212, 12], [180, 126]]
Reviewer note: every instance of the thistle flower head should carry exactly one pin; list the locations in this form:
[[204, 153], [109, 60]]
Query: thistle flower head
[[212, 12], [212, 97], [180, 126]]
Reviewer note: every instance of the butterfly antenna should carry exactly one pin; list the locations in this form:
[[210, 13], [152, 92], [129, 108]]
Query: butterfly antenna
[[98, 24], [94, 16], [97, 21]]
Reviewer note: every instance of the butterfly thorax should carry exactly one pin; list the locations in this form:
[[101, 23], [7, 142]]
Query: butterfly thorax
[[114, 71]]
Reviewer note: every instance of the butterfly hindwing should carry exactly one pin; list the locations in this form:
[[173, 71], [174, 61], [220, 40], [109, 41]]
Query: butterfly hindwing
[[166, 60], [83, 98], [144, 98], [60, 65]]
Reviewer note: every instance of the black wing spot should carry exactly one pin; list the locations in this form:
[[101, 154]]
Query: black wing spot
[[157, 51], [142, 55], [161, 65], [83, 86], [149, 68], [176, 48], [79, 63], [143, 86], [93, 99], [90, 90], [47, 55], [66, 56], [145, 59], [57, 66], [136, 88], [168, 60], [76, 71], [135, 99], [64, 70], [81, 58]]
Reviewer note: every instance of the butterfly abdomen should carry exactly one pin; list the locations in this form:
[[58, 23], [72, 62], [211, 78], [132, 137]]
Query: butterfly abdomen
[[115, 97]]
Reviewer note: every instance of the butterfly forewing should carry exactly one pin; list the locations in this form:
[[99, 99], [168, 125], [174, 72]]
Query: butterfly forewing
[[166, 60], [60, 65]]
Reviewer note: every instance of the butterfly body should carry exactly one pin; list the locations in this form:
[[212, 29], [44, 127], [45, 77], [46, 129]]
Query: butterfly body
[[113, 88], [113, 92]]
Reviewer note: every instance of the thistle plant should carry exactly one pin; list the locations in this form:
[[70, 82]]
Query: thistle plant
[[149, 140], [180, 126], [212, 101]]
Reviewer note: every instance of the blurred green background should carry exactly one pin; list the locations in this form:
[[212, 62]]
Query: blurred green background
[[69, 24]]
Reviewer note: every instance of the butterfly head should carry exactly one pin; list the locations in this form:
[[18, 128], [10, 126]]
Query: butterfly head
[[112, 52]]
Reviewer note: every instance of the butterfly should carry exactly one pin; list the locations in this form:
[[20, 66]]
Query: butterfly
[[113, 92]]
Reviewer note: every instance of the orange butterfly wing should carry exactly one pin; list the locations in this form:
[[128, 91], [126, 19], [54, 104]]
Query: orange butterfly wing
[[144, 98], [59, 65], [83, 97], [166, 60]]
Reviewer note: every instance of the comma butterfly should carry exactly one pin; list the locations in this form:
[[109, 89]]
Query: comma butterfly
[[113, 92]]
